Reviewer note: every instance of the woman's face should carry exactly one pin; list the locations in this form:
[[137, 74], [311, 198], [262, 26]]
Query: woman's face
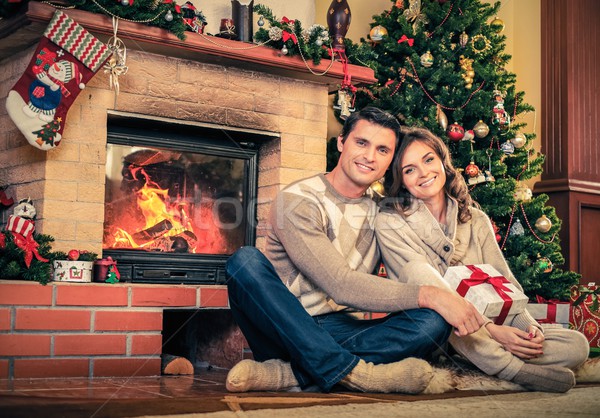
[[423, 173]]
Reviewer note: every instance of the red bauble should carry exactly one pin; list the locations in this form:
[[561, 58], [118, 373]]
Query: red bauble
[[456, 132], [498, 237], [73, 255], [472, 170]]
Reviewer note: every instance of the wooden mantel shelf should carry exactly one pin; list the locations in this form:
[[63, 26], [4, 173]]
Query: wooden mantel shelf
[[26, 29]]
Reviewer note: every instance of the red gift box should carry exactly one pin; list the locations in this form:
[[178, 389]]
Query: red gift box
[[584, 317]]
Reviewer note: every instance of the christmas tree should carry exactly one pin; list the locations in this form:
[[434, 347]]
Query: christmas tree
[[440, 65]]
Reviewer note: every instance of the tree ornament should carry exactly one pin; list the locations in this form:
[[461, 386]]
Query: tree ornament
[[456, 132], [413, 14], [442, 119], [463, 39], [519, 140], [427, 59], [469, 135], [284, 50], [468, 74], [125, 2], [73, 255], [481, 129], [517, 228], [497, 25], [496, 231], [544, 264], [338, 21], [543, 224], [523, 193], [507, 147], [472, 170], [480, 44], [377, 33], [378, 188], [501, 116], [261, 21], [169, 16]]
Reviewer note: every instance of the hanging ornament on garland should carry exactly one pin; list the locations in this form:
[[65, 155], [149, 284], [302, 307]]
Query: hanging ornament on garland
[[469, 135], [125, 2], [497, 25], [543, 224], [517, 228], [480, 44], [427, 59], [519, 140], [261, 21], [468, 75], [456, 132], [377, 33], [463, 39], [442, 119], [472, 170], [507, 147], [481, 129], [523, 193], [501, 116], [544, 264], [488, 173], [496, 231]]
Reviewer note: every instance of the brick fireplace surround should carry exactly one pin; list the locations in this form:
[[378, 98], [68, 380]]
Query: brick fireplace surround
[[91, 330]]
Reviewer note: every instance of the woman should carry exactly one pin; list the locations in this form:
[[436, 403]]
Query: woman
[[433, 224]]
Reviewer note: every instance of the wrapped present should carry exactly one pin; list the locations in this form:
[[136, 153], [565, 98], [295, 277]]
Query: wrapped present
[[552, 311], [585, 315], [491, 293], [72, 271], [20, 225], [106, 271]]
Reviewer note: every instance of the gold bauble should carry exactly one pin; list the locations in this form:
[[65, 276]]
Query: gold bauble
[[543, 224], [497, 24], [442, 119], [378, 188], [519, 140], [377, 33], [427, 59], [471, 73], [468, 86], [480, 129]]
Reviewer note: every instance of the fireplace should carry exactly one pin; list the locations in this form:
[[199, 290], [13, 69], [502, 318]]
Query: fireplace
[[179, 199]]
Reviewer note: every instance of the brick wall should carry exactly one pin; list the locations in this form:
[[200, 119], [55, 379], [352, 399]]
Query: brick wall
[[90, 330]]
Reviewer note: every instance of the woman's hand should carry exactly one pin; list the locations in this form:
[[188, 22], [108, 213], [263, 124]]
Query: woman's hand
[[523, 344]]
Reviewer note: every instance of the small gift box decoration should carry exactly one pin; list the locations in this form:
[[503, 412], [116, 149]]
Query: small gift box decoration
[[491, 293], [550, 311], [72, 271], [105, 271], [585, 315]]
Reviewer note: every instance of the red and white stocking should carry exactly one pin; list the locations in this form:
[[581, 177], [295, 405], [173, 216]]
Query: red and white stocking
[[66, 58]]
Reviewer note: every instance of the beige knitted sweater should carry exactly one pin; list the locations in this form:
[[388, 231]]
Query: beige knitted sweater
[[323, 247]]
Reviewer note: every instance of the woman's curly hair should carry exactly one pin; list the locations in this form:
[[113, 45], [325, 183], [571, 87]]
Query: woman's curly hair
[[455, 186]]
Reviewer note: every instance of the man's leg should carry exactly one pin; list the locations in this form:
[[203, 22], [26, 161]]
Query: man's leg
[[411, 333], [276, 325]]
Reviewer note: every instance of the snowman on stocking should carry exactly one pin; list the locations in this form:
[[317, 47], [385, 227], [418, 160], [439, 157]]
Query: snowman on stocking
[[66, 58]]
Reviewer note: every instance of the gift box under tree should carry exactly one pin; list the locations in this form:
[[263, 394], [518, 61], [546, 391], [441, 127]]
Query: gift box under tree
[[585, 313], [491, 293], [552, 311]]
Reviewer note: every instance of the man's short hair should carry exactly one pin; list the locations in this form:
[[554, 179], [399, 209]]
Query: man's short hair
[[373, 115]]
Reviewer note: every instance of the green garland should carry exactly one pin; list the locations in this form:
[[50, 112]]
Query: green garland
[[12, 260], [313, 43]]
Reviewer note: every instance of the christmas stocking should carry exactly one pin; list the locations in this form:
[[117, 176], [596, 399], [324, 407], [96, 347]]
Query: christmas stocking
[[66, 58]]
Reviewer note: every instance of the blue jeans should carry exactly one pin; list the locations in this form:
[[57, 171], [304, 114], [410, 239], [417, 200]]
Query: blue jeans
[[323, 349]]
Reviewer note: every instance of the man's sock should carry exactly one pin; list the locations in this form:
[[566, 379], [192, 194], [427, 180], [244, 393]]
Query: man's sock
[[250, 375], [545, 378], [410, 375]]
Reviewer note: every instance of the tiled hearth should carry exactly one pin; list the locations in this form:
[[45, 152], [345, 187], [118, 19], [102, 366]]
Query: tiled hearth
[[99, 329]]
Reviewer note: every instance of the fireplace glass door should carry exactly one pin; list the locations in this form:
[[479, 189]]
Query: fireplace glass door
[[177, 205]]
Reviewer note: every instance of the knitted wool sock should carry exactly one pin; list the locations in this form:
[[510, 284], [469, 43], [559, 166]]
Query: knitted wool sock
[[250, 375], [410, 375], [545, 378]]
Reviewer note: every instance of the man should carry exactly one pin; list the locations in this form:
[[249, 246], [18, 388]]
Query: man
[[298, 307]]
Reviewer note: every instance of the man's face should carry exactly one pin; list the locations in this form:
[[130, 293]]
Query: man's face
[[365, 156]]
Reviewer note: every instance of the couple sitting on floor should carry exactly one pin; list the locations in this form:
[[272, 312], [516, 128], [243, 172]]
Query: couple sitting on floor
[[300, 305]]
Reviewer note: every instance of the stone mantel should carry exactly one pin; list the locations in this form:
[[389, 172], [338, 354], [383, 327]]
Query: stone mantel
[[26, 28]]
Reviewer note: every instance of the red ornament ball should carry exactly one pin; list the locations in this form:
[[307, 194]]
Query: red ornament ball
[[73, 255], [498, 237], [456, 132], [472, 170]]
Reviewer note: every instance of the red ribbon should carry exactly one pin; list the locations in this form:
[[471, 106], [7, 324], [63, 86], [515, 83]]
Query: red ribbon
[[480, 277], [406, 39], [551, 316], [29, 246], [288, 21], [286, 35]]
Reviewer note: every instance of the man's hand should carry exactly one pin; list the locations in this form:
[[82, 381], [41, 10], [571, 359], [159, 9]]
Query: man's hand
[[523, 344], [457, 311]]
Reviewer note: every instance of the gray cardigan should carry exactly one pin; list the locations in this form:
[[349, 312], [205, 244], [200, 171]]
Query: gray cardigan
[[415, 248]]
